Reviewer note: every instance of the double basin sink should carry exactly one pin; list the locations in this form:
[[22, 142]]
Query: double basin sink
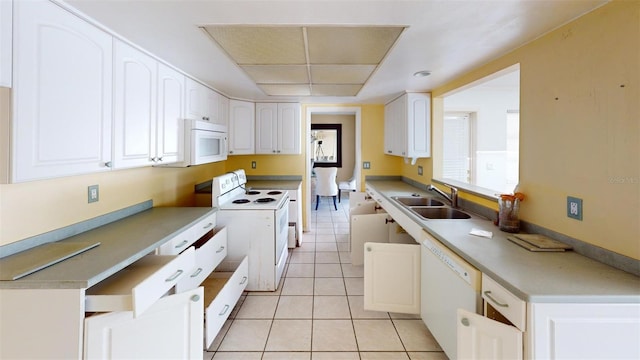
[[428, 208]]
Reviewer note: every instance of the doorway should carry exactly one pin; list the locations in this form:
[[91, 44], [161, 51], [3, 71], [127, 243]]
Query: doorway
[[320, 111]]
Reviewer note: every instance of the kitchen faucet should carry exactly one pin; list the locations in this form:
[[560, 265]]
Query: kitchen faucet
[[453, 198]]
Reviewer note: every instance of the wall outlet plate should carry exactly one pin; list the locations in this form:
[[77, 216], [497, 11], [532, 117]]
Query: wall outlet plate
[[254, 165], [574, 208], [366, 165], [420, 170], [93, 193]]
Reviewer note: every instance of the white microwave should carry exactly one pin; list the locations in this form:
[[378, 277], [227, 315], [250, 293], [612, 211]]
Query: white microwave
[[204, 143]]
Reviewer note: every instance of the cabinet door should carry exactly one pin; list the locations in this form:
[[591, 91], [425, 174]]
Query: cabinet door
[[211, 106], [366, 225], [134, 121], [585, 331], [418, 125], [194, 100], [289, 129], [62, 99], [392, 277], [482, 338], [241, 127], [171, 329], [266, 128], [223, 110], [6, 21], [170, 139]]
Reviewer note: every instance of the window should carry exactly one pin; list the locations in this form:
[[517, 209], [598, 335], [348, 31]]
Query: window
[[481, 130]]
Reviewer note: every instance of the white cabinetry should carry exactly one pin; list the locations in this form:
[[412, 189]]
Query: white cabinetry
[[135, 106], [62, 100], [241, 127], [407, 125], [169, 140], [391, 260], [171, 328], [277, 128], [202, 103], [6, 21], [584, 331]]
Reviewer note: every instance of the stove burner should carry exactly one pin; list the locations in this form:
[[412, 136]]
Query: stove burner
[[265, 200], [252, 192], [241, 201], [275, 192]]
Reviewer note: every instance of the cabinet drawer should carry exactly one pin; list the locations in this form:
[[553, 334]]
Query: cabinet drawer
[[504, 302], [210, 250], [188, 237], [221, 292], [138, 286]]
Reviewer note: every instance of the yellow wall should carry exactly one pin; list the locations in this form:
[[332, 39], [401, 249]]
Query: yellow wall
[[579, 126], [31, 208]]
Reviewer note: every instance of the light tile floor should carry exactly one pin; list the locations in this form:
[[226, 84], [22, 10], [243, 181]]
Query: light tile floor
[[318, 310]]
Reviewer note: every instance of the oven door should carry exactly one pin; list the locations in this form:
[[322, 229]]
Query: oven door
[[282, 234], [208, 146]]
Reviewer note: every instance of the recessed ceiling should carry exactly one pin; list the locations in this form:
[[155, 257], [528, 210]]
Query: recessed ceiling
[[306, 60], [447, 38]]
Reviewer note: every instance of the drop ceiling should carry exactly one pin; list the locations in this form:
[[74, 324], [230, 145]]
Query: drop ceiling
[[306, 60], [447, 38]]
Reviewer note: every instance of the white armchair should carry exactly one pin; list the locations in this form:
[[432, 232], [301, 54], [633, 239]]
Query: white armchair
[[349, 185], [326, 184]]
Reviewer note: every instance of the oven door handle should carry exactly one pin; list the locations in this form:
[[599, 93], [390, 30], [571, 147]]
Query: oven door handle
[[283, 204]]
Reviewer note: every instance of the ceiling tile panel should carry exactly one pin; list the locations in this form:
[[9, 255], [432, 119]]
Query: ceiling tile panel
[[341, 74], [261, 45], [277, 74], [286, 89], [335, 90], [351, 44]]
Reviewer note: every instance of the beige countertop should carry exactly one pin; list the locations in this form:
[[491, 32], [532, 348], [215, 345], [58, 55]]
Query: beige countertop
[[122, 242], [562, 277]]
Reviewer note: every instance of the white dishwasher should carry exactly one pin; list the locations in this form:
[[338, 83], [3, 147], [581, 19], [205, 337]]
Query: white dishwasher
[[448, 283]]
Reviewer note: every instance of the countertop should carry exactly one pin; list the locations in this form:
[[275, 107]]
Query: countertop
[[563, 277], [122, 242]]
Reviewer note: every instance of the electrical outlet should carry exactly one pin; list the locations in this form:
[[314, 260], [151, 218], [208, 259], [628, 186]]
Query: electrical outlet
[[93, 193], [574, 208], [366, 165], [254, 165], [420, 170]]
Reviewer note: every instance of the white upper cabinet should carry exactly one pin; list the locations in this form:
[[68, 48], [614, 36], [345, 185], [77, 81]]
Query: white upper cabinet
[[135, 96], [62, 100], [277, 128], [169, 139], [6, 21], [203, 103], [407, 125], [241, 127]]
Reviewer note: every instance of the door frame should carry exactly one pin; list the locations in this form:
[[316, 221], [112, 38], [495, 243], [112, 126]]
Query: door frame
[[356, 111]]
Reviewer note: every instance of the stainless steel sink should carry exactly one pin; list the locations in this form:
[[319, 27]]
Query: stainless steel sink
[[439, 213], [417, 201]]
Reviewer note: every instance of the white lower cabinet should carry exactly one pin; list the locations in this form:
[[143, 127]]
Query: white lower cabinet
[[391, 260], [170, 329], [221, 292], [165, 306], [483, 338]]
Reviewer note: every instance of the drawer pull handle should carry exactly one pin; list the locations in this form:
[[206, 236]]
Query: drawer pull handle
[[197, 272], [224, 310], [195, 298], [174, 276], [465, 321], [488, 294], [244, 280], [183, 243], [220, 250], [208, 226]]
